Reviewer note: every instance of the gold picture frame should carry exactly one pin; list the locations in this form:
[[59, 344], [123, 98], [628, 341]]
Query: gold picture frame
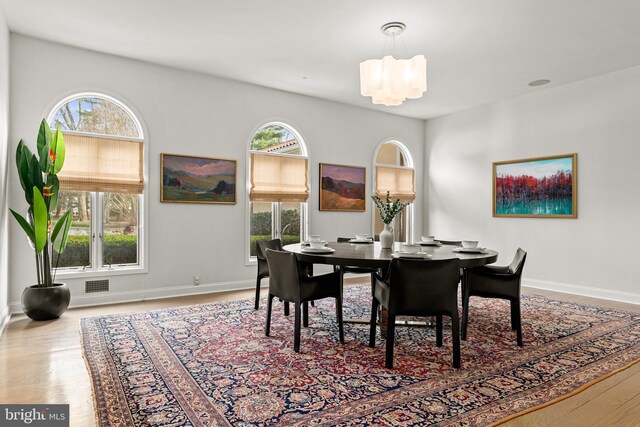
[[538, 187], [195, 179], [342, 188]]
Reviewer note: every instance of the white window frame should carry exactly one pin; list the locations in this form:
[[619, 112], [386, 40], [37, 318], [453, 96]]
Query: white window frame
[[276, 207], [97, 199], [409, 164]]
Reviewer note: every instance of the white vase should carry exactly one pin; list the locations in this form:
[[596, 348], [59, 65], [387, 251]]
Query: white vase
[[386, 237]]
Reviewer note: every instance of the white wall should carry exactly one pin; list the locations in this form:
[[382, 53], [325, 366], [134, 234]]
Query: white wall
[[188, 113], [599, 118], [4, 166]]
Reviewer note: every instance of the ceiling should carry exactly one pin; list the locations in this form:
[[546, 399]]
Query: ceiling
[[478, 51]]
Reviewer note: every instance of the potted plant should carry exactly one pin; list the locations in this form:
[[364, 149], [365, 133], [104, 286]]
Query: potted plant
[[388, 211], [38, 177]]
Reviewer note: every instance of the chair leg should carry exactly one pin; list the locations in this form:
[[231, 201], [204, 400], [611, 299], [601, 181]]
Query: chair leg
[[267, 328], [514, 323], [517, 318], [455, 334], [339, 319], [257, 303], [296, 331], [305, 314], [465, 315], [391, 332], [286, 308], [439, 330], [372, 323]]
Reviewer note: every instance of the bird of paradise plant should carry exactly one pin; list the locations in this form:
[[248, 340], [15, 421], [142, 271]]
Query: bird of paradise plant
[[39, 180]]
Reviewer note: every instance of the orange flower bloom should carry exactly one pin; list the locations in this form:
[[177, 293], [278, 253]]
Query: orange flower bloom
[[52, 155]]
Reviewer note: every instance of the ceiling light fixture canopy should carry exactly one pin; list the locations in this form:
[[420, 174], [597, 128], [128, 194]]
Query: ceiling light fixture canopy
[[389, 81]]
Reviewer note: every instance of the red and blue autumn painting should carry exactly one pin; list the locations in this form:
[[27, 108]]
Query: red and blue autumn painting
[[542, 187], [189, 179], [342, 188]]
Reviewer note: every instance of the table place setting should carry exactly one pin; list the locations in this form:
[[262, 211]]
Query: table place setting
[[411, 251], [429, 241], [317, 246], [362, 238], [469, 247]]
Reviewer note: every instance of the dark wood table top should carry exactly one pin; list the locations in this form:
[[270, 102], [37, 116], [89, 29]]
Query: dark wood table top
[[372, 255]]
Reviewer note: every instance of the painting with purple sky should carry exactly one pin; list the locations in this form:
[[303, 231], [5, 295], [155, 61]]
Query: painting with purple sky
[[189, 179], [342, 188]]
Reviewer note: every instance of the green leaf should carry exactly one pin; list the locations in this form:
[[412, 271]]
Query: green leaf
[[59, 151], [23, 156], [40, 220], [36, 172], [25, 225], [55, 187], [44, 135], [60, 233]]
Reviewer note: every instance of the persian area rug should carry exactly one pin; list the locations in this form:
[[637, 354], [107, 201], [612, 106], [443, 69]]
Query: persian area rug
[[211, 365]]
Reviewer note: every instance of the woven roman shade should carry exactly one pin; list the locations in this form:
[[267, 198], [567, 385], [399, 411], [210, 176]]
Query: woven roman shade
[[102, 163], [397, 181], [277, 178]]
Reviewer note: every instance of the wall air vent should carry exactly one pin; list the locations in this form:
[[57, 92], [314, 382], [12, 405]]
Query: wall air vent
[[92, 286]]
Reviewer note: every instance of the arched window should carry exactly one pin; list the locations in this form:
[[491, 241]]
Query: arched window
[[393, 171], [101, 182], [278, 186]]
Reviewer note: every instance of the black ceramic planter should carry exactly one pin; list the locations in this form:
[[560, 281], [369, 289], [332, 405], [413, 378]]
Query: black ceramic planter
[[45, 303]]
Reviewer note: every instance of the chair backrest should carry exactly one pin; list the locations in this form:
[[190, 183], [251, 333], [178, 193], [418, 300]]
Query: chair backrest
[[344, 239], [416, 284], [517, 265], [263, 245], [284, 274]]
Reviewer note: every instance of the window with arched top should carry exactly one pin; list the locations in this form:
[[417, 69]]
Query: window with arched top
[[102, 182], [278, 186], [394, 172]]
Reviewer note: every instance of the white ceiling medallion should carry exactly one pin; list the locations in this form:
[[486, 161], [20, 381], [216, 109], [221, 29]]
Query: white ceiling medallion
[[389, 81]]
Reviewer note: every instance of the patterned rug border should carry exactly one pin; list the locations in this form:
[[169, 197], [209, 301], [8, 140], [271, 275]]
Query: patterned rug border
[[231, 303], [566, 396]]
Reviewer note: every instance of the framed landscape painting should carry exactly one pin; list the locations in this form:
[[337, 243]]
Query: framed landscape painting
[[543, 187], [342, 188], [188, 179]]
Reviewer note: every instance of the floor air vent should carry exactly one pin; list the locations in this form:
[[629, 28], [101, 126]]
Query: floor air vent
[[92, 286]]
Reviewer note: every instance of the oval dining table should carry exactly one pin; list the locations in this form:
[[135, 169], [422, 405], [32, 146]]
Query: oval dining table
[[372, 255]]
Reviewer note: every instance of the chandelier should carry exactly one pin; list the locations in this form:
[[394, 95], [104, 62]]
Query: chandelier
[[389, 81]]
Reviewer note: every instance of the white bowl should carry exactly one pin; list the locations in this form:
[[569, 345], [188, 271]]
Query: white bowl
[[317, 244], [469, 244], [361, 236], [411, 249], [315, 238], [428, 239]]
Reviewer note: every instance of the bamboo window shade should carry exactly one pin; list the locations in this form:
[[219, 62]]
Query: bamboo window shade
[[399, 182], [102, 163], [278, 178]]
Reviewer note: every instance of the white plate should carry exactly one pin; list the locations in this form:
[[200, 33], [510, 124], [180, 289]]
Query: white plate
[[317, 251], [470, 250], [415, 255], [360, 241], [430, 244]]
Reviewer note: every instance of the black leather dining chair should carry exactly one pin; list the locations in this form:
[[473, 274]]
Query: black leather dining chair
[[289, 281], [450, 242], [492, 281], [418, 288], [263, 267]]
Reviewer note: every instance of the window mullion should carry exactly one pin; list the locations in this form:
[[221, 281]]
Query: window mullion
[[97, 246], [276, 227]]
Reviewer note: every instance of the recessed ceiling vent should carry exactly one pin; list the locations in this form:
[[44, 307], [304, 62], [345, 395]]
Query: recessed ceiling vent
[[93, 286]]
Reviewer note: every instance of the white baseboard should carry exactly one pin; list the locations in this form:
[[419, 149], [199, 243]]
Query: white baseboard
[[5, 316], [587, 291], [84, 300]]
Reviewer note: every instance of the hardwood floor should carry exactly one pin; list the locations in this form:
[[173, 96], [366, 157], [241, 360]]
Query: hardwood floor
[[42, 363]]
